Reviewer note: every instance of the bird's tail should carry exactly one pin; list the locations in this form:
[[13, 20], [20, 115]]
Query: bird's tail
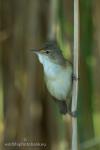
[[62, 107]]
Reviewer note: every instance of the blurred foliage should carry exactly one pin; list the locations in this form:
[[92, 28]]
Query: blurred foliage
[[86, 94], [27, 111], [64, 35]]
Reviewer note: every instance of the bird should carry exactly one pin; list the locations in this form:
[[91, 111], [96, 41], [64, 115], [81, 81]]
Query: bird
[[57, 73]]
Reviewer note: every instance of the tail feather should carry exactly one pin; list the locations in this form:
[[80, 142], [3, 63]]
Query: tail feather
[[62, 107]]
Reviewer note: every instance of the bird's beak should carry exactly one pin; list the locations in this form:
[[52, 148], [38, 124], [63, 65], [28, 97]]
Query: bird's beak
[[36, 51]]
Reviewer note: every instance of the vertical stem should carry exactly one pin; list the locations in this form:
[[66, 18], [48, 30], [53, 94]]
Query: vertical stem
[[75, 72]]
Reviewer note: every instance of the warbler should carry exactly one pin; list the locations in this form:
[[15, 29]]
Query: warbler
[[57, 73]]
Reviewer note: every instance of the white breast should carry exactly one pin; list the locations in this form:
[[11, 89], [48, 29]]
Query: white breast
[[59, 86], [58, 79]]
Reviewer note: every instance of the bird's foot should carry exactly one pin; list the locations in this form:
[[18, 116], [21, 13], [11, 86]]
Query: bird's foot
[[74, 77], [73, 114]]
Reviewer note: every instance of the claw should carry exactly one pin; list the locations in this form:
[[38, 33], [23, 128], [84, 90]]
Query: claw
[[74, 77], [73, 114]]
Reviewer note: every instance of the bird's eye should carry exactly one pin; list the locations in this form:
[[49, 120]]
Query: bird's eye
[[47, 51]]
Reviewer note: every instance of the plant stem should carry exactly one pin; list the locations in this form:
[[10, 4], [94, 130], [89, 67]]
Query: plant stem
[[75, 72]]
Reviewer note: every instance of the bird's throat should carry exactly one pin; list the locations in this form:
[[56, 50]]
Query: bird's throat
[[50, 68]]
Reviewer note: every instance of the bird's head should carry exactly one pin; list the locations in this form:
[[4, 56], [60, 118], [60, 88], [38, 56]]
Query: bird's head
[[50, 52]]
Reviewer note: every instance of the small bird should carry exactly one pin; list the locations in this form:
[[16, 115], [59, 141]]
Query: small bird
[[57, 73]]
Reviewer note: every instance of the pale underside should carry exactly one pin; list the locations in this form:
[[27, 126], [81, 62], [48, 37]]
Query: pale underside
[[58, 79]]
